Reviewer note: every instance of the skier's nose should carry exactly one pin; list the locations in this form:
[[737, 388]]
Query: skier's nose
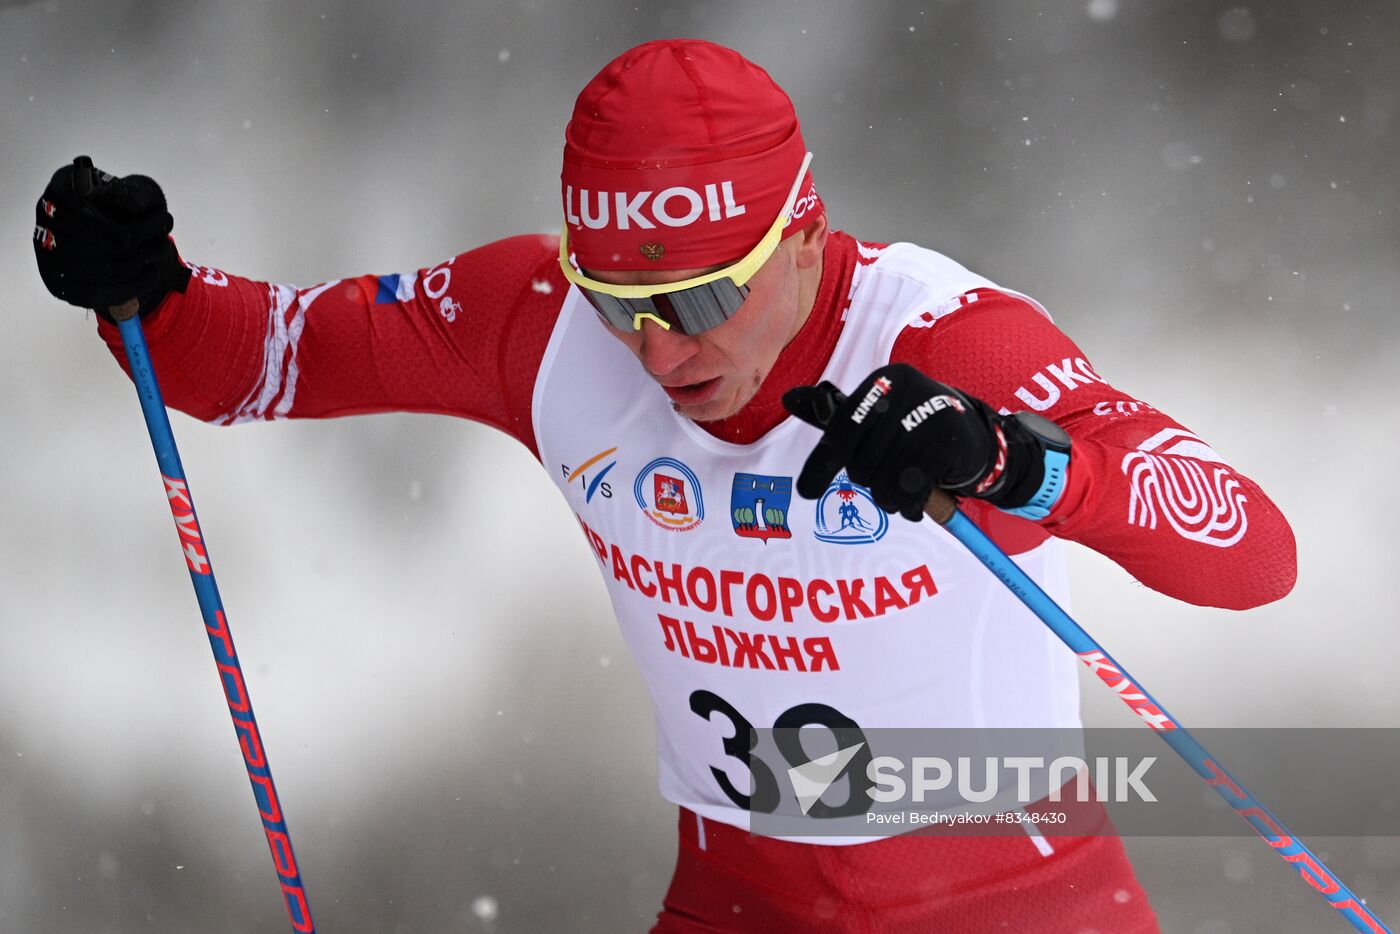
[[663, 351]]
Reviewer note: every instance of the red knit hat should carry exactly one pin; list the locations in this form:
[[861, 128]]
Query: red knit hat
[[679, 155]]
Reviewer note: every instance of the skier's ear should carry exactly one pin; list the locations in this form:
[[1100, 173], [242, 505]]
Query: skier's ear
[[811, 240]]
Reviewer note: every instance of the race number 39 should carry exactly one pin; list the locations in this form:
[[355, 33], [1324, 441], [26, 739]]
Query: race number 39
[[766, 792]]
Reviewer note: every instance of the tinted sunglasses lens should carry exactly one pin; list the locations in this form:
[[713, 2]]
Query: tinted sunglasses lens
[[703, 306], [690, 311], [615, 311]]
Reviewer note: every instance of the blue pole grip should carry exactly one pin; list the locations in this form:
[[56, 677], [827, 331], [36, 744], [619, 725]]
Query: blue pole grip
[[216, 626]]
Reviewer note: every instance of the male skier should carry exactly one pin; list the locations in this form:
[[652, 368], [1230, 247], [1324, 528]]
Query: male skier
[[696, 301]]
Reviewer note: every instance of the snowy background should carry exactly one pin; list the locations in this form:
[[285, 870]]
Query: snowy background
[[1204, 194]]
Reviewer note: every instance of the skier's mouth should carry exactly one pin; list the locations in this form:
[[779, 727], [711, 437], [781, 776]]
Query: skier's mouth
[[694, 393]]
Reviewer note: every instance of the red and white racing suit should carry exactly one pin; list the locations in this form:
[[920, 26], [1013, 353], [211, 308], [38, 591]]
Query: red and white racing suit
[[468, 337]]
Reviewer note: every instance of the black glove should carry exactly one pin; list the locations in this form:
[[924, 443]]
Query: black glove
[[101, 240], [903, 435]]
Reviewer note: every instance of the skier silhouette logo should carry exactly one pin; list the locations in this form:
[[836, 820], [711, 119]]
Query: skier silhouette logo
[[850, 517], [847, 514]]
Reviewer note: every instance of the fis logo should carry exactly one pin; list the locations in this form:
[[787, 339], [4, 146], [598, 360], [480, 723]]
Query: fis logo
[[759, 504], [878, 391], [677, 206], [847, 514], [669, 493], [925, 410], [597, 485]]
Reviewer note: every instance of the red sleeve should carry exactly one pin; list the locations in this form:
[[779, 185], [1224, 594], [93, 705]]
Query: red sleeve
[[464, 338], [1142, 489]]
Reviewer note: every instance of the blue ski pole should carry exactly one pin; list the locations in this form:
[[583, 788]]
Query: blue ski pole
[[206, 590], [942, 509]]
